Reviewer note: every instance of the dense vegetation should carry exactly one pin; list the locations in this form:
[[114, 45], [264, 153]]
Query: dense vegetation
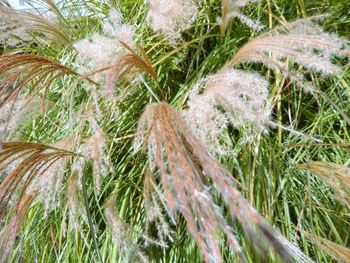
[[147, 131]]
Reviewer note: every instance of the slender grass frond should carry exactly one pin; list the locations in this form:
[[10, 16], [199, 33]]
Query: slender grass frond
[[128, 64], [19, 70], [9, 233], [337, 176], [336, 251], [186, 170], [26, 167]]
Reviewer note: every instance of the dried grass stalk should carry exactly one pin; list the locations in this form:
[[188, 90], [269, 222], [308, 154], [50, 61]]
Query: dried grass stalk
[[190, 177], [339, 253], [337, 176]]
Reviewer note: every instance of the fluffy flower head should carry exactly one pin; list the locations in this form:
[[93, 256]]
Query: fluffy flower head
[[229, 97], [171, 17], [103, 50]]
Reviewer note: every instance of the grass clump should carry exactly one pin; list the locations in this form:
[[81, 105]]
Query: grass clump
[[241, 107]]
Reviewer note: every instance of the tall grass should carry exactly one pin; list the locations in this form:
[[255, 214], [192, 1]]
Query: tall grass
[[175, 133]]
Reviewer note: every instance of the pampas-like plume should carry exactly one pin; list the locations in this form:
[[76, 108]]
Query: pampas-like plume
[[107, 59], [9, 233], [232, 97], [170, 18], [30, 167], [337, 176], [19, 70], [302, 42], [231, 9], [229, 97], [186, 170], [102, 51], [129, 63], [153, 196]]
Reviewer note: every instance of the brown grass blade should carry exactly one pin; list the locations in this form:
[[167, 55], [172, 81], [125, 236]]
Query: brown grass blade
[[336, 176], [190, 177], [24, 161]]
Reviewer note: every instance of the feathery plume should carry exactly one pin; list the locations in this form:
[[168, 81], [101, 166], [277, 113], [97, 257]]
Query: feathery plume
[[49, 184], [102, 51], [228, 98], [16, 113], [153, 196], [74, 202], [94, 149], [12, 30], [107, 59], [170, 18], [186, 170], [302, 42], [130, 63]]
